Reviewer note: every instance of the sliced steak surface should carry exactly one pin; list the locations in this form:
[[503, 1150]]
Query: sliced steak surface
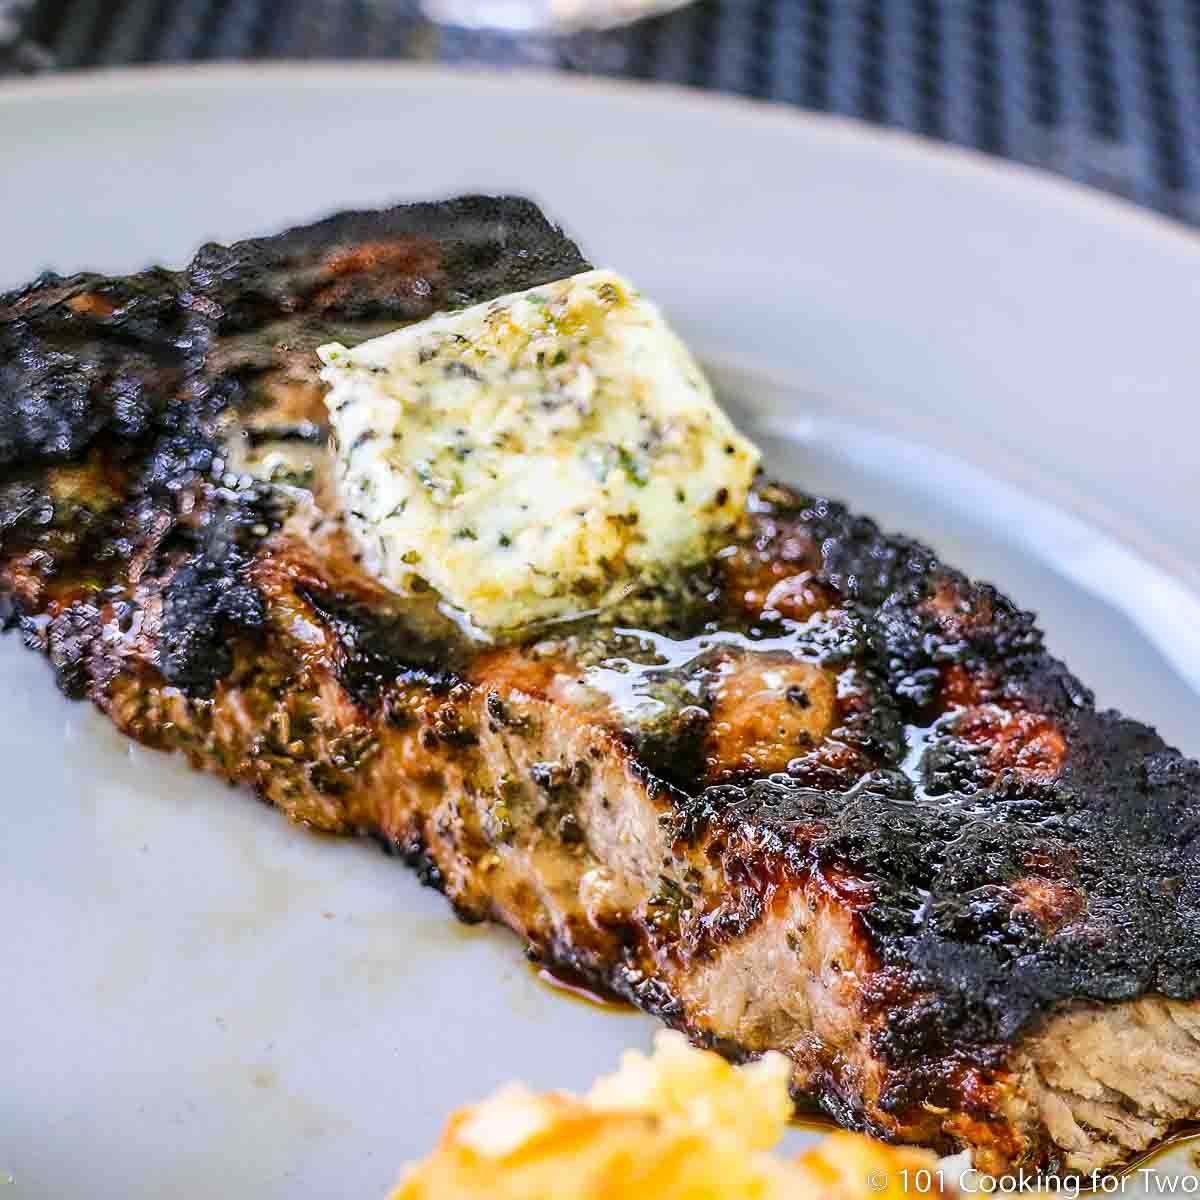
[[829, 797]]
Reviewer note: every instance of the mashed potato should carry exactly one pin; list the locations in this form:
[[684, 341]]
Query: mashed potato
[[681, 1125]]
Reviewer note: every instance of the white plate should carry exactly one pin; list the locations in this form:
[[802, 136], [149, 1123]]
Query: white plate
[[197, 1000]]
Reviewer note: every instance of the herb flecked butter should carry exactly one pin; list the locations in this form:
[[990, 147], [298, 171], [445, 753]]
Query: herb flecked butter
[[540, 454]]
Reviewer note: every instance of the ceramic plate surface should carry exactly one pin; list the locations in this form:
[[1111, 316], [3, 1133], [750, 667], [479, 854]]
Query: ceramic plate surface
[[199, 1001]]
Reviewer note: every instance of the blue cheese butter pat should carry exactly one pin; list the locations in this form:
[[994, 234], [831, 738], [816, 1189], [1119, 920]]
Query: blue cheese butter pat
[[539, 455]]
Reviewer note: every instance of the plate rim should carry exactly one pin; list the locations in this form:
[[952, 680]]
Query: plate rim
[[401, 75]]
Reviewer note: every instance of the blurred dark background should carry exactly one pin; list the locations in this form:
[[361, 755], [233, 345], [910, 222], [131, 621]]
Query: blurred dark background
[[1104, 91]]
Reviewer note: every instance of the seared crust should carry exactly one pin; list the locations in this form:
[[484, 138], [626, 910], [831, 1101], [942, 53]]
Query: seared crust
[[133, 383], [833, 798]]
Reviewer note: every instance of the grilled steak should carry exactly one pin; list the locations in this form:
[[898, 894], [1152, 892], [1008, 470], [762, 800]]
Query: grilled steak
[[827, 796]]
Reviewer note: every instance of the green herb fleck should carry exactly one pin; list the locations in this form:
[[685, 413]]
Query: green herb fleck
[[635, 471]]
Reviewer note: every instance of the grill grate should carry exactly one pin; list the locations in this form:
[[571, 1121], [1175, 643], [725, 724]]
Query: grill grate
[[1104, 91]]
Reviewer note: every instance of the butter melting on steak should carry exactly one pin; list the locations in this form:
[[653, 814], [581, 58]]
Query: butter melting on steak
[[830, 797]]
